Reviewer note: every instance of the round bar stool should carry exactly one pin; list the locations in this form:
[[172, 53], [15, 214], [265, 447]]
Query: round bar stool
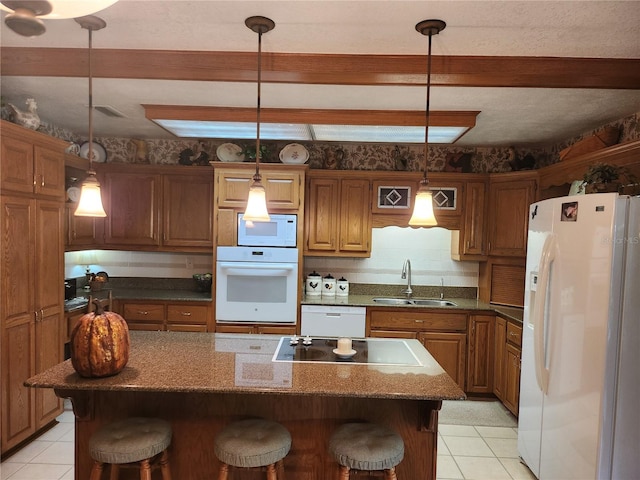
[[366, 446], [252, 443], [134, 440]]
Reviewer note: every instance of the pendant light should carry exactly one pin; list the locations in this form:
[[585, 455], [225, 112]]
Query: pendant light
[[25, 15], [423, 215], [256, 210], [90, 203]]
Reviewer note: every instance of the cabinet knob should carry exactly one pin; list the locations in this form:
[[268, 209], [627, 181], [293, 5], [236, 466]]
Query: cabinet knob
[[42, 180]]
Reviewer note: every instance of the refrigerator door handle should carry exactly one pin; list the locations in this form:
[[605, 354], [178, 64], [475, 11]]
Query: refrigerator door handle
[[540, 313]]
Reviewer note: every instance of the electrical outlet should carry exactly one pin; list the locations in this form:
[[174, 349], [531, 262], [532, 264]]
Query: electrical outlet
[[189, 263]]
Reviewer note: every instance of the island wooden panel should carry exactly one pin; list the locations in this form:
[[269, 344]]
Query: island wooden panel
[[311, 419]]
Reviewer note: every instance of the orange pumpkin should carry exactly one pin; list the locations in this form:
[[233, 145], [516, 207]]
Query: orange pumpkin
[[100, 344]]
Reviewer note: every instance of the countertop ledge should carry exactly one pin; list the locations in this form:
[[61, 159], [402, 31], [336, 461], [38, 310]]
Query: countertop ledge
[[217, 363], [513, 313]]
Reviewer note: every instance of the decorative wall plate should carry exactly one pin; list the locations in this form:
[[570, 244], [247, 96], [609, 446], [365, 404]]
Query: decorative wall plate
[[99, 152], [294, 153], [230, 152]]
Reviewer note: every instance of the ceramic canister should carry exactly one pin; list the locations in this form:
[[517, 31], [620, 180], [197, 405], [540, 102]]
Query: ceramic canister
[[313, 284], [328, 286], [342, 287]]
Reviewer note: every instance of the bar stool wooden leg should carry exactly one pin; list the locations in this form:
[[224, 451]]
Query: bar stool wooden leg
[[114, 471], [390, 474], [164, 465], [271, 472], [280, 469], [96, 470], [224, 472], [145, 469], [344, 473]]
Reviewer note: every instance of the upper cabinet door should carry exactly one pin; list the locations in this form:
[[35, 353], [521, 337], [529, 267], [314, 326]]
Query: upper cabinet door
[[355, 216], [16, 167], [31, 163], [321, 216], [188, 210], [49, 172], [510, 198], [132, 203]]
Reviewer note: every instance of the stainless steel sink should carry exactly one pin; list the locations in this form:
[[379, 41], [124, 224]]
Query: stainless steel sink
[[432, 302], [424, 302], [393, 301]]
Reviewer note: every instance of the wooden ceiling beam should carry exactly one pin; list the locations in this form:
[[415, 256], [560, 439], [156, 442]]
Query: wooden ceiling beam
[[312, 116], [325, 69]]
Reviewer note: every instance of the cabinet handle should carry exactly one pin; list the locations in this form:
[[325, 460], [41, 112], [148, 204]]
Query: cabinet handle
[[42, 180], [185, 314], [419, 321], [35, 316], [142, 312], [511, 334]]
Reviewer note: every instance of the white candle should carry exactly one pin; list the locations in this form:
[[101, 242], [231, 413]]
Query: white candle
[[344, 345]]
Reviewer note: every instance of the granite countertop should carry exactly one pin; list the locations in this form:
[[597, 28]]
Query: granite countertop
[[232, 363], [513, 313]]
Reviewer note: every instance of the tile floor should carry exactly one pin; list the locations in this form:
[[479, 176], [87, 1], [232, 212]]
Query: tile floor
[[464, 452]]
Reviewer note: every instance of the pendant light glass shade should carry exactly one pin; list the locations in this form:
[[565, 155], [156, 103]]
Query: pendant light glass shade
[[256, 210], [25, 15], [90, 203], [423, 215]]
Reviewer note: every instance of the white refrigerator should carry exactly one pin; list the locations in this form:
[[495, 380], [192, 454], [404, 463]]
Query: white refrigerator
[[579, 412]]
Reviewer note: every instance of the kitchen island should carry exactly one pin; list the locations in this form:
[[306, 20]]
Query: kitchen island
[[199, 382]]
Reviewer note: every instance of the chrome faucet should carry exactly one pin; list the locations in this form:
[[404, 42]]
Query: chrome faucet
[[406, 273], [441, 288]]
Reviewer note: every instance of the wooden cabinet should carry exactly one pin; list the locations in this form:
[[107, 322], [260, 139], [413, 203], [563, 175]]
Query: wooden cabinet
[[187, 210], [469, 243], [32, 309], [338, 216], [500, 345], [449, 350], [254, 328], [132, 203], [508, 344], [150, 208], [480, 354], [284, 187], [32, 277], [169, 316], [509, 198], [442, 333], [32, 163]]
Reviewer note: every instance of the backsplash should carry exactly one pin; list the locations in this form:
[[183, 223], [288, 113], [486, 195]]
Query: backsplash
[[137, 264], [428, 249]]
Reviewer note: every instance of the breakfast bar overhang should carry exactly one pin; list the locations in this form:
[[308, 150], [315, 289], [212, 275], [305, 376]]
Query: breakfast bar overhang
[[200, 382]]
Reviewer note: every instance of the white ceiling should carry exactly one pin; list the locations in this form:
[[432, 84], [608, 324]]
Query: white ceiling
[[509, 116]]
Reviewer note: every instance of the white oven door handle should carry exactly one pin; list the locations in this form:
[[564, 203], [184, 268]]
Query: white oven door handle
[[256, 269]]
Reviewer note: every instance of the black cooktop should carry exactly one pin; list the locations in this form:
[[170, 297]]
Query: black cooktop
[[320, 350]]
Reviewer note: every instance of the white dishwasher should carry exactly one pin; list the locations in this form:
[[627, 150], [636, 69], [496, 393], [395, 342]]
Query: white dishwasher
[[333, 321]]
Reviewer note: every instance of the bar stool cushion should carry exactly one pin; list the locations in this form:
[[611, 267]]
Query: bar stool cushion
[[252, 443], [366, 446], [130, 440]]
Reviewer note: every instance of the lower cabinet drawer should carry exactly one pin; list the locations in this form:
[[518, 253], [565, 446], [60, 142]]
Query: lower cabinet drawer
[[418, 321], [188, 314], [143, 312], [514, 334]]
